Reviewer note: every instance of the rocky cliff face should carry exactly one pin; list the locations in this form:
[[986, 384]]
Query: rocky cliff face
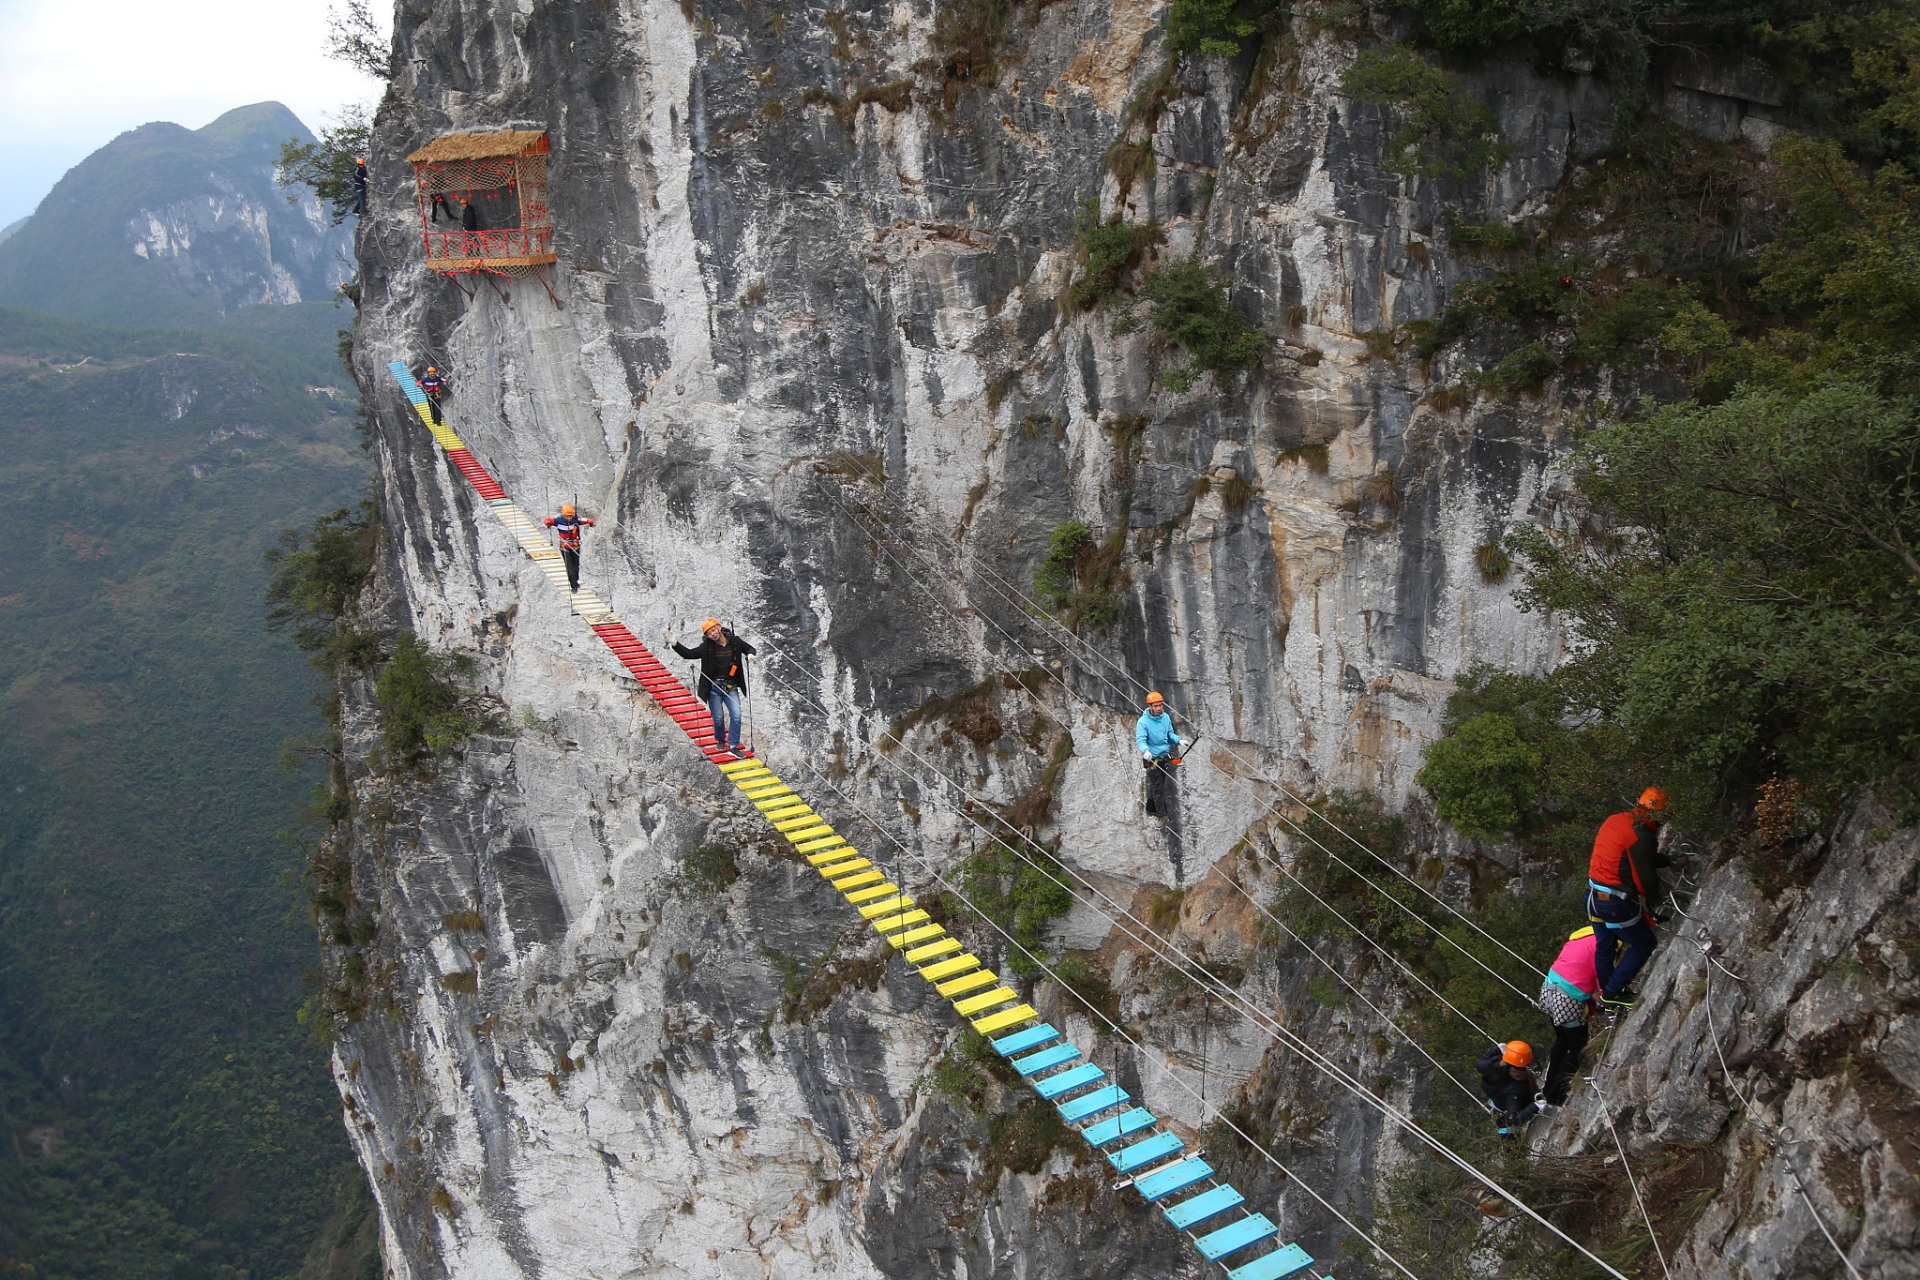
[[815, 373]]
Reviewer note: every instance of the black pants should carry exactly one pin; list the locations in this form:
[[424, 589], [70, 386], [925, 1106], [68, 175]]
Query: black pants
[[570, 556], [433, 407], [439, 203], [1160, 789], [1568, 1044], [359, 199]]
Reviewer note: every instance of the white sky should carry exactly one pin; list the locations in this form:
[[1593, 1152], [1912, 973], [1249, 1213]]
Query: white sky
[[75, 73]]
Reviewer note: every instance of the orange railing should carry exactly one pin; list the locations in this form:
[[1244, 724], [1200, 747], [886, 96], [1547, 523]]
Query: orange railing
[[516, 242]]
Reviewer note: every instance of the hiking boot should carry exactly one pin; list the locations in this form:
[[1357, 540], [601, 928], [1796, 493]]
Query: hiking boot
[[745, 753], [1619, 1001]]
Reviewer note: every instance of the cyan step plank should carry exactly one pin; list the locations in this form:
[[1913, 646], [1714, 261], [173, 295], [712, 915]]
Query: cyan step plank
[[1079, 1077], [1164, 1182], [1203, 1206], [1050, 1057], [1280, 1263], [1019, 1041], [1093, 1104], [1251, 1230], [1145, 1152], [1099, 1135]]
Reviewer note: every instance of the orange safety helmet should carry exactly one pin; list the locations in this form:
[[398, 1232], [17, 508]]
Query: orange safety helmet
[[1518, 1053], [711, 624], [1653, 798], [566, 508], [1154, 698], [431, 369]]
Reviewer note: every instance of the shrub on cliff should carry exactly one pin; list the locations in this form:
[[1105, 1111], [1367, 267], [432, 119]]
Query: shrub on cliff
[[1443, 132], [425, 709], [1190, 308]]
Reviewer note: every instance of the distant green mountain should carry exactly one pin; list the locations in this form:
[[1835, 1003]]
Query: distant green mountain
[[173, 226]]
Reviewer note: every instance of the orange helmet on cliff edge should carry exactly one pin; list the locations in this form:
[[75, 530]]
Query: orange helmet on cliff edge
[[1652, 799]]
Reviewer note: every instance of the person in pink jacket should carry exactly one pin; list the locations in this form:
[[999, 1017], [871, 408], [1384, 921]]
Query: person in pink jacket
[[1567, 998]]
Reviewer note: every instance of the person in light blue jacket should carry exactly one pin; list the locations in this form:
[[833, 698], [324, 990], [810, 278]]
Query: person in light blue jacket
[[1160, 750]]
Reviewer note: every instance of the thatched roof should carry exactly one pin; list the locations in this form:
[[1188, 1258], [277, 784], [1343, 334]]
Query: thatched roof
[[479, 146]]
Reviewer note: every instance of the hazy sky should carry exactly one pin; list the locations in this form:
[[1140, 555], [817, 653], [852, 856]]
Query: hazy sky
[[74, 73]]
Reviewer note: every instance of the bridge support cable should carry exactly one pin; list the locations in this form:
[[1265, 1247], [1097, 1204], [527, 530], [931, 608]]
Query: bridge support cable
[[1134, 1141], [1255, 1017], [1026, 605]]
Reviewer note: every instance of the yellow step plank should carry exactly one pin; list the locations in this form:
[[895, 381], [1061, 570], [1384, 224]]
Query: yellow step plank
[[898, 902], [757, 782], [817, 831], [912, 936], [951, 968], [865, 877], [814, 846], [772, 791], [839, 869], [807, 819], [871, 895], [778, 802], [828, 856], [971, 982], [906, 920], [740, 766], [797, 809], [1005, 1018], [933, 951], [980, 1004]]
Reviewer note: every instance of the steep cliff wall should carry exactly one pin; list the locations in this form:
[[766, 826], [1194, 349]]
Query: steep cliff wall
[[815, 373]]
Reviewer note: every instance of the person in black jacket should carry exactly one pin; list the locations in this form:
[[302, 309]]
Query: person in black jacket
[[1507, 1080], [723, 678], [359, 184]]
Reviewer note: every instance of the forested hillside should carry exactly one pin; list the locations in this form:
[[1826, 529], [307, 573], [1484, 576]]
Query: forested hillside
[[161, 1112]]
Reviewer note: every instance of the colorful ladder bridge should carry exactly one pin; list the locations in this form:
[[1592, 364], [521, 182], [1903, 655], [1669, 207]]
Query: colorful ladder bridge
[[1152, 1159]]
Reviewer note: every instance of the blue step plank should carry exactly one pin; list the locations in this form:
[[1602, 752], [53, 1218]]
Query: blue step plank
[[1203, 1206], [1052, 1056], [1144, 1153], [1020, 1041], [1099, 1135], [1164, 1182], [1053, 1086], [1093, 1103], [1219, 1244], [1274, 1266]]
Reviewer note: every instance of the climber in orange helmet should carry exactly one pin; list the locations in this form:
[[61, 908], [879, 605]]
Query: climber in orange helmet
[[1507, 1080], [567, 524], [433, 386], [1623, 883], [1160, 750], [723, 678]]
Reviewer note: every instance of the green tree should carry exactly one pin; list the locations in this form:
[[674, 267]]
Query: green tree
[[1190, 307], [1482, 776]]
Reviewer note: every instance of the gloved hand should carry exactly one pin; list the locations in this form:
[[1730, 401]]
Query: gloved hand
[[1146, 761]]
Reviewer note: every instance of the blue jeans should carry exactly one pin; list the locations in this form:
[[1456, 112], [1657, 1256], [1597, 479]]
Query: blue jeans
[[722, 704], [1624, 923]]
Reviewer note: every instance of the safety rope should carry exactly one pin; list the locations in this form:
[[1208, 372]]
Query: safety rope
[[1140, 1051], [1028, 607], [1606, 1113], [1256, 1017]]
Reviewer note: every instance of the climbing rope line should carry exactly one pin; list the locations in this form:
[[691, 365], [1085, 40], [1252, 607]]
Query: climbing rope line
[[1140, 1051], [1606, 1113], [1285, 793], [1254, 1016], [1781, 1140], [1031, 608]]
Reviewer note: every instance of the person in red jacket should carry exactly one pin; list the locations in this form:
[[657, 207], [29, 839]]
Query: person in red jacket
[[567, 525], [1623, 883], [1567, 998], [433, 386]]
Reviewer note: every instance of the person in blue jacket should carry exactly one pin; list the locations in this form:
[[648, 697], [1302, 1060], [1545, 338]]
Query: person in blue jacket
[[1160, 749]]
